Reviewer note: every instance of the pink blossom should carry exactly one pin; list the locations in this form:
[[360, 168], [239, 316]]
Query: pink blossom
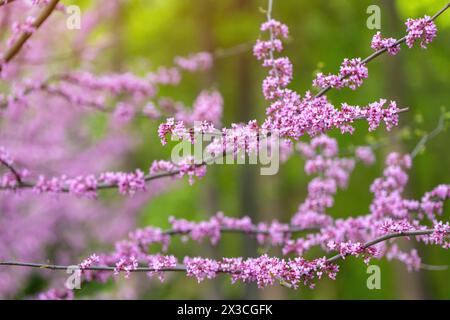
[[159, 262], [126, 265], [422, 29], [55, 294], [262, 49], [351, 74], [89, 262], [201, 268], [277, 28], [440, 234], [195, 62], [365, 154], [379, 43], [191, 168]]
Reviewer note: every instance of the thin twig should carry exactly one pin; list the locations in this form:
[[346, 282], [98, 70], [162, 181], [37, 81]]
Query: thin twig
[[13, 171], [433, 267], [429, 136], [222, 53]]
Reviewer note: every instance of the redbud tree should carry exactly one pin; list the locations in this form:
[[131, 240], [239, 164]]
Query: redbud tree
[[61, 189]]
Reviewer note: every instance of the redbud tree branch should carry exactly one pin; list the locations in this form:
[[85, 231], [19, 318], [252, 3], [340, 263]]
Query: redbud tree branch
[[23, 38], [182, 267], [381, 51], [13, 171], [5, 2], [147, 178]]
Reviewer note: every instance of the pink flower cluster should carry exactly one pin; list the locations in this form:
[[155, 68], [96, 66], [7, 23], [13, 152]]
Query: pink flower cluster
[[195, 62], [127, 265], [115, 83], [57, 294], [350, 248], [379, 43], [208, 106], [280, 74], [376, 113], [10, 179], [93, 259], [410, 259], [128, 183], [276, 28], [390, 213], [274, 233], [159, 262], [351, 74], [423, 29], [27, 27], [265, 270], [440, 234], [365, 154], [395, 226], [333, 173], [86, 90], [178, 130], [293, 117], [198, 231], [201, 268], [388, 200], [432, 202], [348, 237], [191, 168], [289, 115], [87, 186], [5, 156], [353, 71]]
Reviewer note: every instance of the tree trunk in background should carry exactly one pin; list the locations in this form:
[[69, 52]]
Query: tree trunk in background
[[210, 191], [409, 285], [4, 22], [248, 173], [117, 24]]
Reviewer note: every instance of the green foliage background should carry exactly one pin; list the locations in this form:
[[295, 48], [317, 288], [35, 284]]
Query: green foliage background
[[323, 32]]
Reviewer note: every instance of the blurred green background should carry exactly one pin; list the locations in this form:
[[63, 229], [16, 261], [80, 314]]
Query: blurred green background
[[150, 33]]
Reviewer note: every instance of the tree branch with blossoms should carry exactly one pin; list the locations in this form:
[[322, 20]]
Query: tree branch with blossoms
[[289, 118], [28, 32], [263, 270], [390, 45], [130, 253], [183, 268]]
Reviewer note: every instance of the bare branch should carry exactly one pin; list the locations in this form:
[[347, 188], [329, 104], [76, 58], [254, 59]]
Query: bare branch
[[427, 137]]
